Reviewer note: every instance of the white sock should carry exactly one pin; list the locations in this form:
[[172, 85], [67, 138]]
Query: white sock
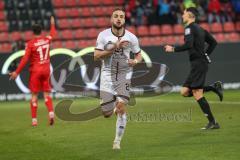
[[120, 126]]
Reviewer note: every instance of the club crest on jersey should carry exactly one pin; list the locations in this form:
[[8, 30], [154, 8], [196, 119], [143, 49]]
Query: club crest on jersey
[[109, 46], [187, 31]]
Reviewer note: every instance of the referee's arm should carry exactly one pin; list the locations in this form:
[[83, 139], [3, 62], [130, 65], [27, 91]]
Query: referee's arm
[[188, 38], [212, 43]]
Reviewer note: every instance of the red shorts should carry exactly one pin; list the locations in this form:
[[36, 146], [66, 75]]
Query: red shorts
[[39, 81]]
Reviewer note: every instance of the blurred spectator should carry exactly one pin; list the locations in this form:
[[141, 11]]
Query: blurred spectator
[[164, 12], [202, 17], [188, 4], [214, 11], [226, 12], [176, 11], [139, 13], [150, 9], [236, 5]]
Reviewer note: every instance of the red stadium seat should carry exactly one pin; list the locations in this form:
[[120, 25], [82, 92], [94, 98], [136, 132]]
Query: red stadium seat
[[79, 34], [71, 3], [99, 11], [73, 12], [228, 27], [76, 23], [57, 44], [3, 26], [28, 35], [142, 31], [131, 29], [166, 29], [216, 28], [15, 36], [82, 2], [220, 37], [88, 22], [91, 42], [6, 48], [2, 15], [61, 13], [156, 41], [67, 34], [178, 29], [179, 39], [4, 36], [70, 44], [237, 26], [95, 2], [85, 12], [58, 3], [91, 33], [82, 44], [108, 2], [1, 5], [109, 10], [145, 41], [64, 23], [103, 22], [169, 40], [205, 26], [232, 37], [120, 2], [154, 30]]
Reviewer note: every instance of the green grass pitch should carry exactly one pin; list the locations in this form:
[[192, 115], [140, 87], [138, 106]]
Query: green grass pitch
[[146, 138]]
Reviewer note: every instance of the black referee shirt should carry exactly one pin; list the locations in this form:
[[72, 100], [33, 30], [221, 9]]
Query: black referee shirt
[[195, 38]]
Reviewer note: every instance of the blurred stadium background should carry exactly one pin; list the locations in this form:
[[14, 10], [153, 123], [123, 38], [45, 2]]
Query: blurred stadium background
[[155, 22]]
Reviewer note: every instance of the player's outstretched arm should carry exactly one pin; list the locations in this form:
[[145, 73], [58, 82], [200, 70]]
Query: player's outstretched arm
[[24, 60], [52, 27]]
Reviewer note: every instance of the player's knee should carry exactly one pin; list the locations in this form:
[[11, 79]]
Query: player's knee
[[197, 93], [120, 108]]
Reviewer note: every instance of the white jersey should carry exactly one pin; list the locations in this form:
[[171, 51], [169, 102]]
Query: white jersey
[[118, 61]]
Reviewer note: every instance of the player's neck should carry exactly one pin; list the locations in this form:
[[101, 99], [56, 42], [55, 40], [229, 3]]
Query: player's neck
[[118, 32], [190, 22]]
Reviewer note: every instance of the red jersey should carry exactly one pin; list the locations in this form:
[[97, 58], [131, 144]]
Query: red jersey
[[37, 52]]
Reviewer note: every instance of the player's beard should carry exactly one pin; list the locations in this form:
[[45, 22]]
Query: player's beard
[[117, 27]]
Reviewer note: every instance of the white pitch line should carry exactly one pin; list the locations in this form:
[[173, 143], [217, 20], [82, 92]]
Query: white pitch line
[[192, 101]]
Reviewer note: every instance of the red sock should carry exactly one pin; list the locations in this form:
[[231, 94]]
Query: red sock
[[49, 104], [34, 106]]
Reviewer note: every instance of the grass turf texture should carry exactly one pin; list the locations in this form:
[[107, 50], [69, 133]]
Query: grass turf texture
[[164, 138]]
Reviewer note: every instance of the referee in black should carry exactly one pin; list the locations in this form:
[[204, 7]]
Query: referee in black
[[195, 40]]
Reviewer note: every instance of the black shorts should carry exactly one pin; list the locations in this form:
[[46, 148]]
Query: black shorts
[[197, 75]]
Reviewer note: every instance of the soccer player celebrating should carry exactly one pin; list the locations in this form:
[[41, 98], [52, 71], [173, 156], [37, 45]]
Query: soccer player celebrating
[[195, 38], [37, 52], [113, 48]]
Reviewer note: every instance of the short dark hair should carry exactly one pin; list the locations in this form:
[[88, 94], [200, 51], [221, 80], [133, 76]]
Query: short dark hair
[[119, 9], [194, 11], [37, 29]]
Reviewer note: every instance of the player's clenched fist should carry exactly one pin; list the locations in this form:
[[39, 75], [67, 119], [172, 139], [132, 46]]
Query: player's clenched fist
[[13, 75], [169, 48]]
